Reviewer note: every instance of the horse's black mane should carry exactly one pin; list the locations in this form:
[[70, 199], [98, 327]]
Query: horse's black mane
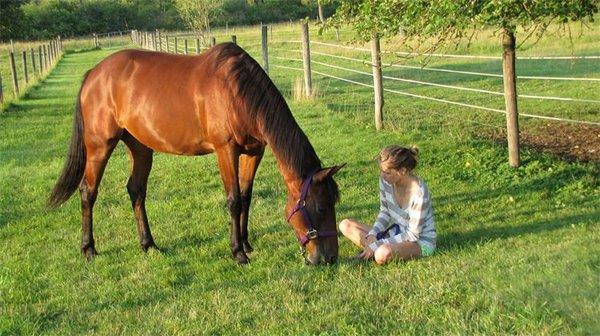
[[268, 107]]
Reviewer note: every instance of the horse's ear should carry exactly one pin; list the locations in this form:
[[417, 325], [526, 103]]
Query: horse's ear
[[324, 173]]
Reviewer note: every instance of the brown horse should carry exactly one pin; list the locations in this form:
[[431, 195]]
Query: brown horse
[[221, 101]]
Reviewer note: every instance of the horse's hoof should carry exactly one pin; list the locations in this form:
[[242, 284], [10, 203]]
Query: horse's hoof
[[247, 247], [89, 252], [149, 245], [241, 258]]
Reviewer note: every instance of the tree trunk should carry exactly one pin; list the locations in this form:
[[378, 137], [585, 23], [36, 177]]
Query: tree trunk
[[510, 97], [321, 16]]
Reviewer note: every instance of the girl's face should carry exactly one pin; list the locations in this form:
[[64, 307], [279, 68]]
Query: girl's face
[[393, 175]]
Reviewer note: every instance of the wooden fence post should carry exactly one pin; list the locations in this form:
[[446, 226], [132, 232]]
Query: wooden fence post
[[95, 40], [234, 39], [377, 81], [176, 51], [25, 73], [185, 46], [510, 97], [1, 91], [159, 40], [12, 46], [167, 43], [50, 55], [197, 46], [45, 57], [213, 41], [33, 65], [51, 52], [13, 70], [265, 48], [41, 56], [306, 60]]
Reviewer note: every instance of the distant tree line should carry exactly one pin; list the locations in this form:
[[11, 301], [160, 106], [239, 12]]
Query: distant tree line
[[41, 19]]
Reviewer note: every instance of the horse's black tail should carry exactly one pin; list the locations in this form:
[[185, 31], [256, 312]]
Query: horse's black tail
[[74, 167]]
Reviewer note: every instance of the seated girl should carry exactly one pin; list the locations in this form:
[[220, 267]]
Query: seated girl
[[404, 228]]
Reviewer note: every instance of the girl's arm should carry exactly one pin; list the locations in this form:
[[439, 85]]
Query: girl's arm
[[383, 218], [417, 213]]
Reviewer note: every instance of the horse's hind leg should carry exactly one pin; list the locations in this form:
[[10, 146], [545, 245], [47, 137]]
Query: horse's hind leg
[[248, 166], [97, 156], [141, 161]]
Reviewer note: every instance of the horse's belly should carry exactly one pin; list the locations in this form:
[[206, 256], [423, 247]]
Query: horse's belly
[[170, 136]]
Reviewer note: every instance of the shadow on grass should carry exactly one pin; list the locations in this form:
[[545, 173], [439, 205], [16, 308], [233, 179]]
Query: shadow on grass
[[474, 237]]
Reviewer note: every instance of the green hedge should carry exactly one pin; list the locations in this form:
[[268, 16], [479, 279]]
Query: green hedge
[[42, 19]]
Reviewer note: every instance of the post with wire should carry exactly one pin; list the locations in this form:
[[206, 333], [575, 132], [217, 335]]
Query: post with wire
[[265, 50], [377, 81], [306, 60]]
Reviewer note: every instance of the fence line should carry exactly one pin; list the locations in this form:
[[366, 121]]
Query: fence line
[[44, 56], [371, 86], [447, 101], [462, 56], [438, 69], [448, 70], [49, 53], [448, 86]]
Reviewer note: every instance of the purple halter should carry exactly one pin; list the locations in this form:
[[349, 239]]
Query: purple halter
[[311, 233]]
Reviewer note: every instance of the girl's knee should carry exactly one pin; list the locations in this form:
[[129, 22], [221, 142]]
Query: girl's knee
[[383, 254], [344, 225]]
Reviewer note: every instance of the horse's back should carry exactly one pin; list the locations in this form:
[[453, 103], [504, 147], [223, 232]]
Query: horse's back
[[170, 103]]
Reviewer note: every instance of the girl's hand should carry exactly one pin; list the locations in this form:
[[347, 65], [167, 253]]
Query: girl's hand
[[366, 254], [366, 240]]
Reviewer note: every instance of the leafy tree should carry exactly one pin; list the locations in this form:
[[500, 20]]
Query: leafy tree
[[197, 13], [11, 17], [449, 20]]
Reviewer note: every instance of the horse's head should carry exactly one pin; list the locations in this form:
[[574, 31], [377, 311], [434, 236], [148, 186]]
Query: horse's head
[[312, 216]]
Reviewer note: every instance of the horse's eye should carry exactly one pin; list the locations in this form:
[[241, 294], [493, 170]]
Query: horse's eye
[[319, 209]]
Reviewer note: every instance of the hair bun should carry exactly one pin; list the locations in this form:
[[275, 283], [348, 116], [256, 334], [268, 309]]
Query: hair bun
[[414, 150]]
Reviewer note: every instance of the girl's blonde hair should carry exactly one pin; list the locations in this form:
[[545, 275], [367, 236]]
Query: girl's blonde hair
[[395, 157]]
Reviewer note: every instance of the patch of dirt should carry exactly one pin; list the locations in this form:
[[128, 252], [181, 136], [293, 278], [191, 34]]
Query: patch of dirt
[[569, 142]]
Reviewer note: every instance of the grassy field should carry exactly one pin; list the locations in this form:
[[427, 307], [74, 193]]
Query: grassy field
[[519, 249]]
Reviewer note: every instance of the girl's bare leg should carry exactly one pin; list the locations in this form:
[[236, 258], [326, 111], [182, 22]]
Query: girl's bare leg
[[355, 231], [402, 251]]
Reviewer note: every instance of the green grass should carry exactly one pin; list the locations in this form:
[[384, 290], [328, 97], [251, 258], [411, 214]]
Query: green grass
[[519, 249]]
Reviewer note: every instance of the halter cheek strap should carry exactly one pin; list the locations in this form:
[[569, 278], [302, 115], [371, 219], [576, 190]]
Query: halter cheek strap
[[311, 232]]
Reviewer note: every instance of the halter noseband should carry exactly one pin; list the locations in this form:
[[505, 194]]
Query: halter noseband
[[311, 233]]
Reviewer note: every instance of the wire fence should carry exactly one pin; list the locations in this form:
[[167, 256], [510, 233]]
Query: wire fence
[[470, 87], [368, 63], [26, 63]]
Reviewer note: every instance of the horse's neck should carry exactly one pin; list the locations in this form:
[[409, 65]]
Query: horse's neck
[[295, 155]]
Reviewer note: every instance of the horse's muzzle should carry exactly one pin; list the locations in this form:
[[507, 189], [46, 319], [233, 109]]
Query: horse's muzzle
[[320, 260]]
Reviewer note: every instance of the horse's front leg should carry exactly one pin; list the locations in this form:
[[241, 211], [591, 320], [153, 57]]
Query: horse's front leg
[[247, 171], [228, 160]]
